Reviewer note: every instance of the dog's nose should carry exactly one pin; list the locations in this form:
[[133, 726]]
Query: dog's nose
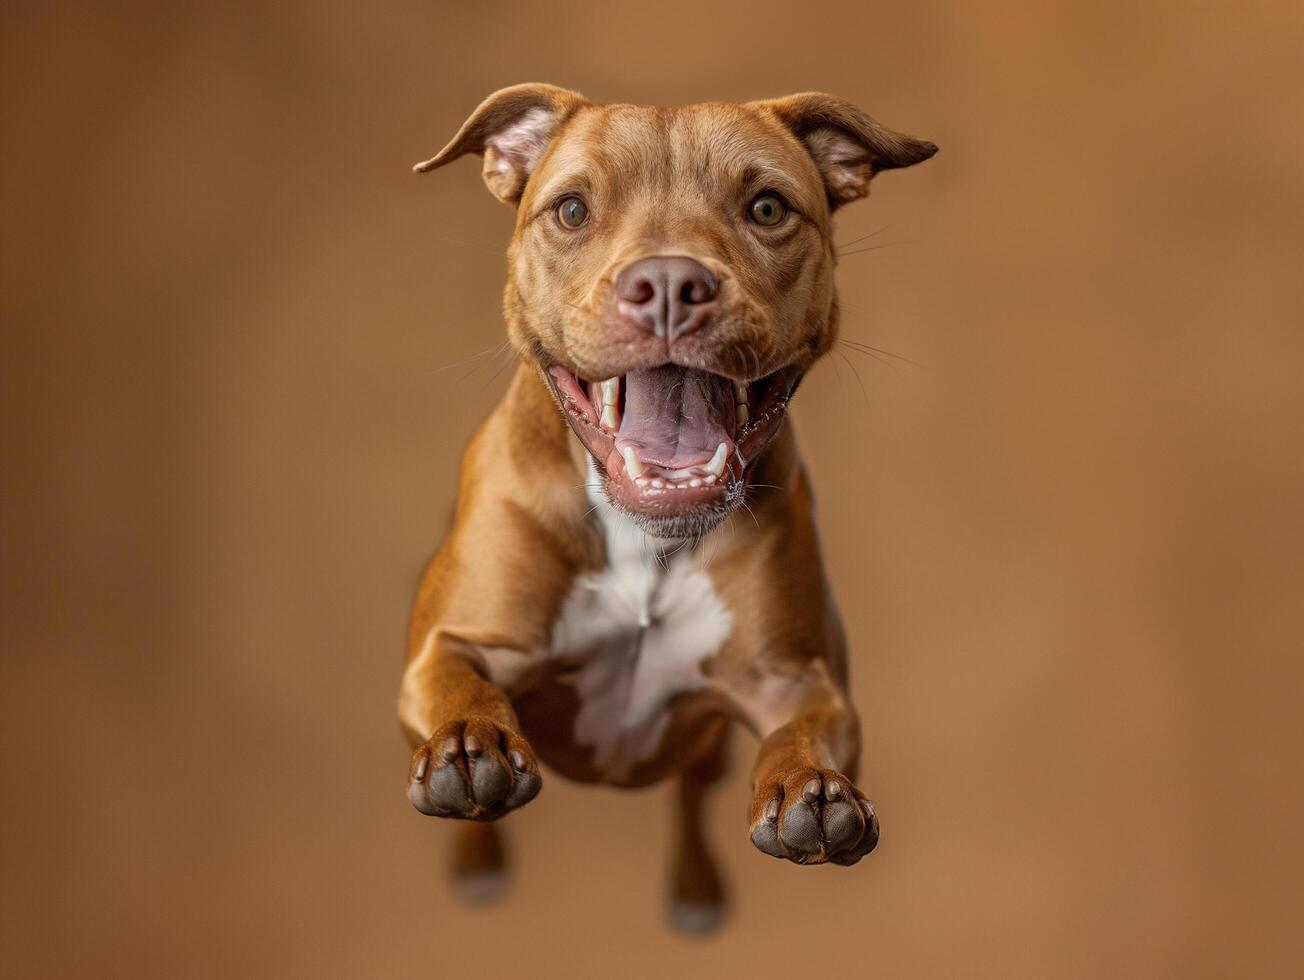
[[670, 295]]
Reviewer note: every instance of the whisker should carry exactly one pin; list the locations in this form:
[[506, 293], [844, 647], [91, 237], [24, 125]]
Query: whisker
[[857, 241], [873, 356], [682, 545], [752, 512], [873, 248], [870, 349], [863, 393], [837, 374], [505, 364], [502, 349], [487, 352], [879, 355], [716, 543]]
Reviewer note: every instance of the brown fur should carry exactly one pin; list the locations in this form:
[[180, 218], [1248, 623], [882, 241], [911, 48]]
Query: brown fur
[[658, 181]]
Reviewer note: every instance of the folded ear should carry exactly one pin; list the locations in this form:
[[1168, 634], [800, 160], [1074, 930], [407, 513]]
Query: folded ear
[[510, 129], [848, 146]]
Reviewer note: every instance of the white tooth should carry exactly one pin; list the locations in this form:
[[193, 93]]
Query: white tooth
[[716, 466], [741, 413], [709, 479], [641, 481], [633, 465], [695, 482], [659, 484], [611, 391], [609, 420]]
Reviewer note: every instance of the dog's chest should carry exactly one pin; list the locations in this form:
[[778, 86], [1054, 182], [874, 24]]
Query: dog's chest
[[637, 632]]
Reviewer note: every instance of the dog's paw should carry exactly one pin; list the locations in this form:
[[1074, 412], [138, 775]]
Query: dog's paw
[[813, 816], [473, 769]]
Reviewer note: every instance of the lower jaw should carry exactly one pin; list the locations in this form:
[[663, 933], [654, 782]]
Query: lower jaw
[[654, 507]]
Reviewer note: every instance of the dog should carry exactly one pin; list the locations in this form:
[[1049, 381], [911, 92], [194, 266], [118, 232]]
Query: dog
[[603, 603]]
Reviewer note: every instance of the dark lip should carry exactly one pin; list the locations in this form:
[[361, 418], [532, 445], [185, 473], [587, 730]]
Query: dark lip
[[771, 408], [768, 407]]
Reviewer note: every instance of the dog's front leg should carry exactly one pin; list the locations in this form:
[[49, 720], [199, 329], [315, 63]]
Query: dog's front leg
[[805, 807], [470, 760]]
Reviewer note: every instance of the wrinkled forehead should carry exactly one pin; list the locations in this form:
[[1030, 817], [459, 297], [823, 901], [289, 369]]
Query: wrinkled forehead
[[712, 153]]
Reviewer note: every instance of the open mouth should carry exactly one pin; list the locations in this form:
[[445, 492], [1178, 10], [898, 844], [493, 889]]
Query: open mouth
[[673, 439]]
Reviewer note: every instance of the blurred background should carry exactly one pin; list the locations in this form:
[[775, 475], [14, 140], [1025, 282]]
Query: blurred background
[[1065, 518]]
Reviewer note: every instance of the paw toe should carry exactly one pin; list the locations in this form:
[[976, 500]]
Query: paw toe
[[871, 826], [447, 789], [490, 782], [525, 787], [799, 828], [417, 796], [765, 836], [843, 825]]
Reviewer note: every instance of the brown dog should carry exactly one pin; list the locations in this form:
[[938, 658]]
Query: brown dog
[[599, 603]]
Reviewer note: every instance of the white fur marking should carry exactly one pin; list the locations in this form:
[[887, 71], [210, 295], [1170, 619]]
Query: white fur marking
[[639, 630]]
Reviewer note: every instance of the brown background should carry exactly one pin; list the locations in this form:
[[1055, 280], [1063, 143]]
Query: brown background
[[1068, 539]]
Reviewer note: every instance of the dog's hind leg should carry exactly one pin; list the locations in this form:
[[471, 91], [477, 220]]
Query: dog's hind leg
[[480, 870], [697, 900]]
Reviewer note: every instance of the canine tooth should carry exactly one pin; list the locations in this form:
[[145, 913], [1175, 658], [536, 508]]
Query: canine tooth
[[741, 413], [633, 465], [609, 419], [610, 391], [740, 392], [716, 466]]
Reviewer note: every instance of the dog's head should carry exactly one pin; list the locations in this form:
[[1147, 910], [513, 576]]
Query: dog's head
[[672, 273]]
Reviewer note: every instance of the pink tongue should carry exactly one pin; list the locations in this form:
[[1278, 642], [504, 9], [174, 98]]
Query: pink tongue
[[676, 417]]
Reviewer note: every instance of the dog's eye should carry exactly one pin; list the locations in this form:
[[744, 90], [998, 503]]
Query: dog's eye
[[572, 212], [768, 209]]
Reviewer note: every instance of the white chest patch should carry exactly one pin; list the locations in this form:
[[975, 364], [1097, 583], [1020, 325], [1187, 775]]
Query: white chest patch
[[639, 630]]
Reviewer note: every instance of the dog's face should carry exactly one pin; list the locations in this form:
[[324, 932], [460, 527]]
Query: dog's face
[[672, 273]]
